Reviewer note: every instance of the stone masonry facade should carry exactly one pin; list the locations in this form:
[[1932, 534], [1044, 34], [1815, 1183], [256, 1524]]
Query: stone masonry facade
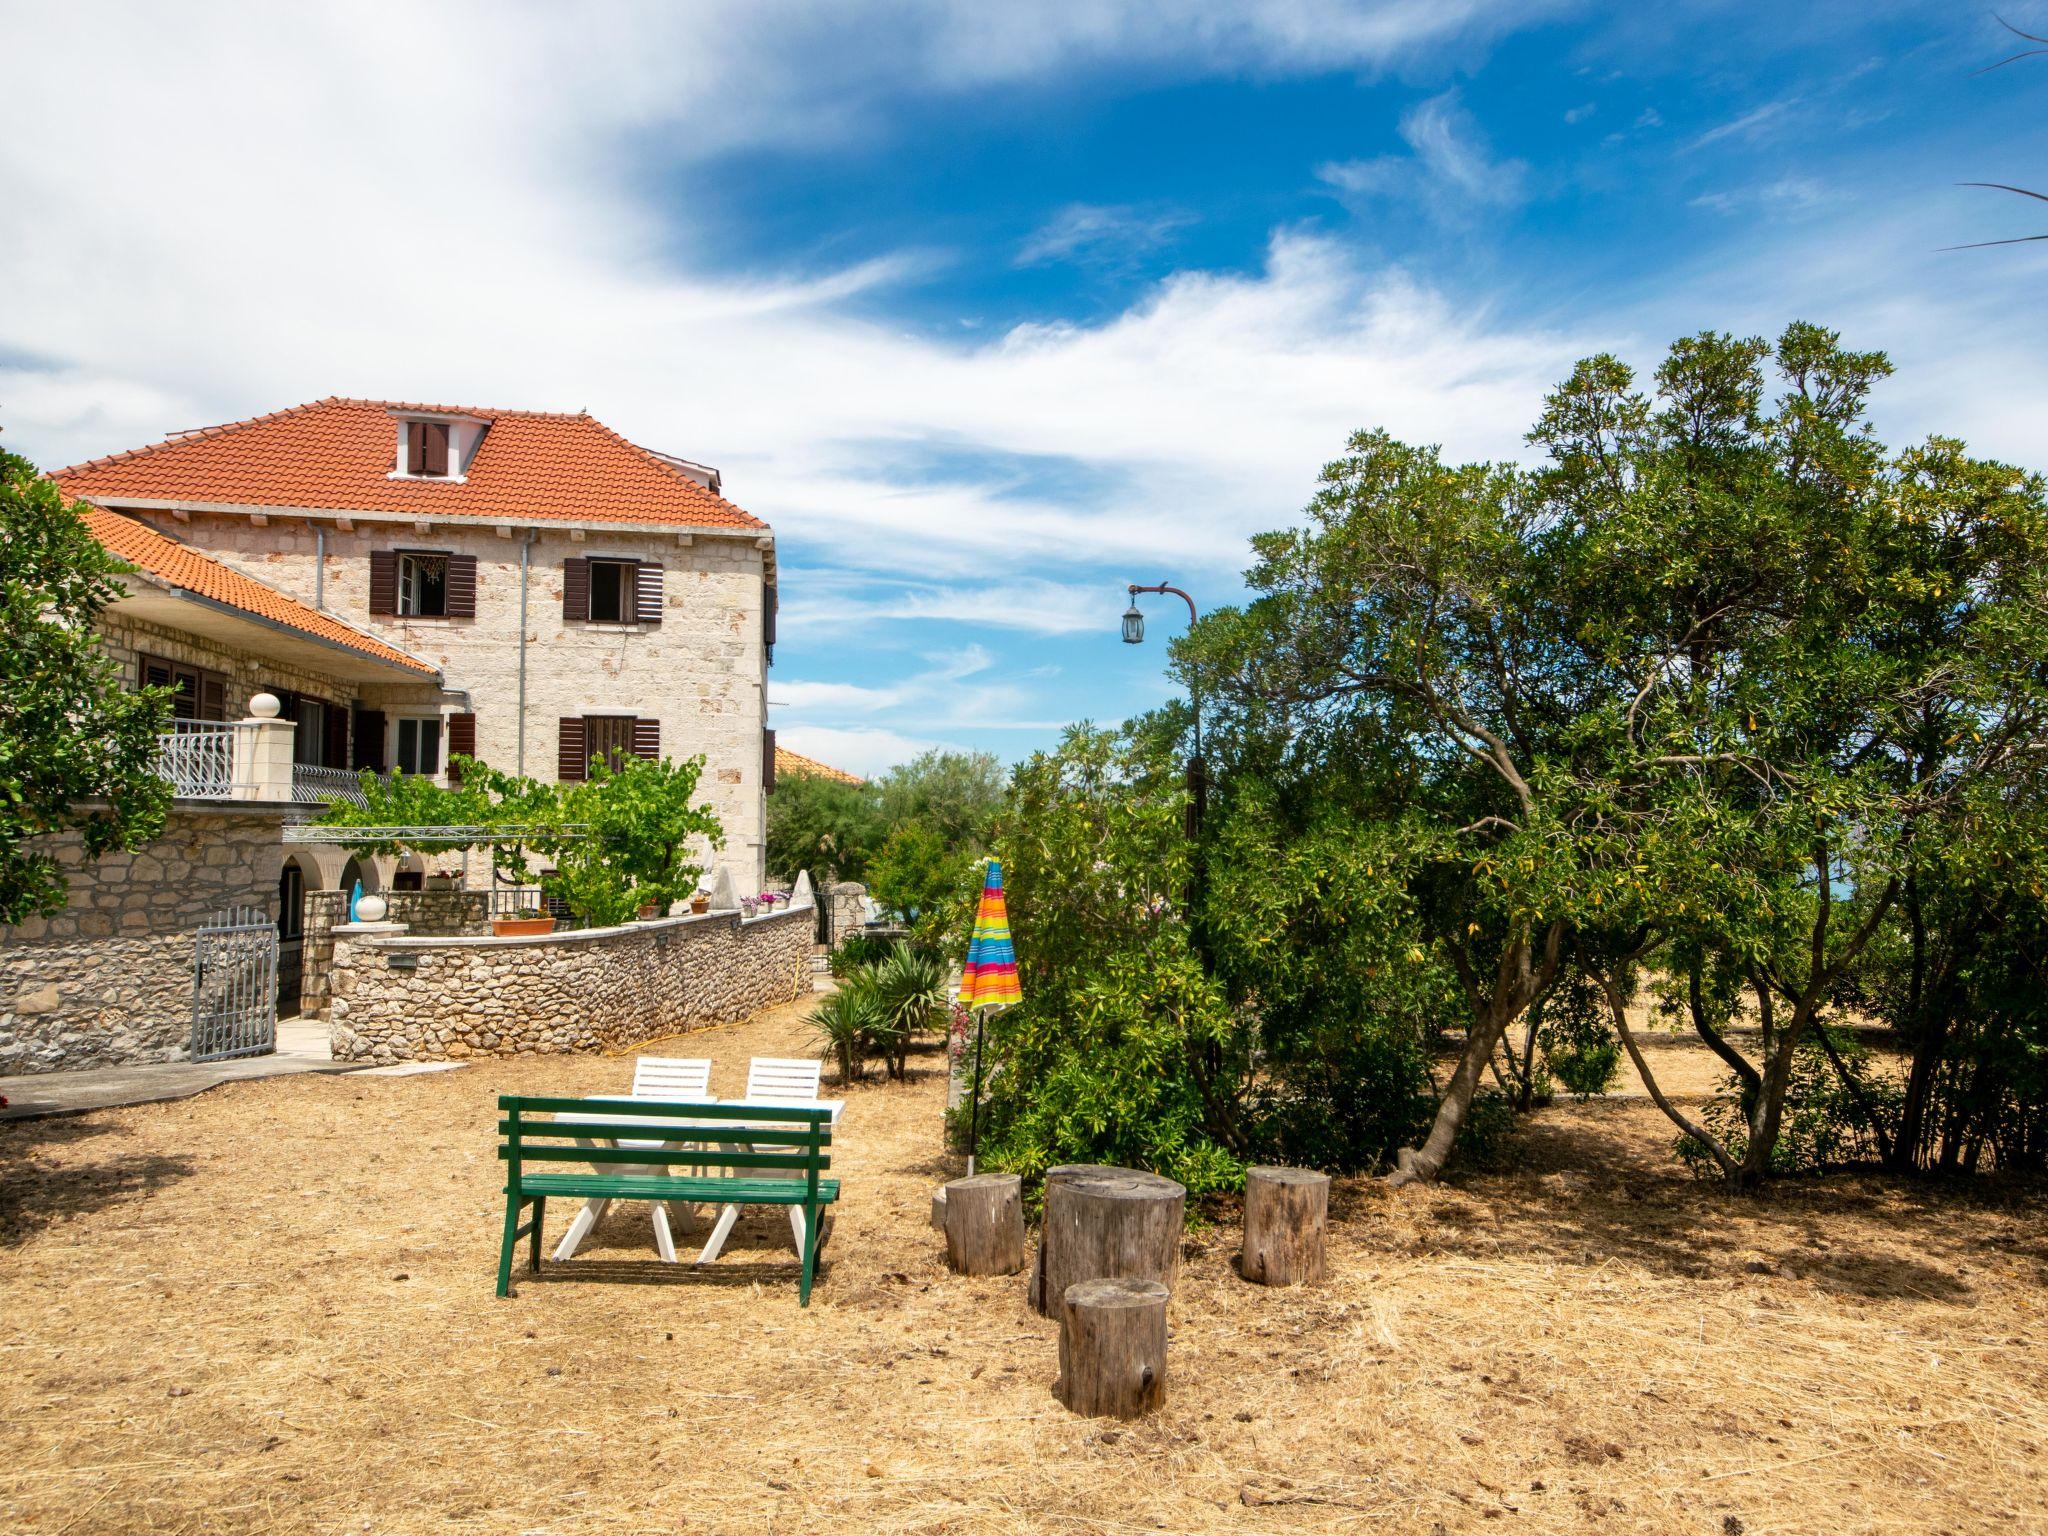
[[108, 980], [701, 672], [426, 914], [400, 998]]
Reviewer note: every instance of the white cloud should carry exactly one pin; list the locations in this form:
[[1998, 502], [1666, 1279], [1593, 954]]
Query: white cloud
[[1092, 232], [1450, 168], [1750, 126], [865, 750]]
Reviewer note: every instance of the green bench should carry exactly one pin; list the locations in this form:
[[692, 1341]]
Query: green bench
[[762, 1154]]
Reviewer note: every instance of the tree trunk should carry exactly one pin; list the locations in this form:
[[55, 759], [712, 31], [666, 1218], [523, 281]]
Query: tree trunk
[[1105, 1224], [1518, 981], [1112, 1348], [985, 1224], [1284, 1212]]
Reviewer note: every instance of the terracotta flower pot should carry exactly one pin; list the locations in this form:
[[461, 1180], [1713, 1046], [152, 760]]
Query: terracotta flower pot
[[700, 903], [519, 927]]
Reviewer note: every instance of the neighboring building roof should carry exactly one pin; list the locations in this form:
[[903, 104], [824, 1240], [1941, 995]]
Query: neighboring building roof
[[795, 763], [337, 455], [186, 568]]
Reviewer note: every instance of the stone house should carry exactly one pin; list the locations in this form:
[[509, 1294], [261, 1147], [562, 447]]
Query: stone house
[[583, 596], [411, 583]]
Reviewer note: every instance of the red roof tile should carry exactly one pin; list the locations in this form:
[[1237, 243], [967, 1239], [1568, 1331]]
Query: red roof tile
[[338, 454], [795, 763], [186, 568]]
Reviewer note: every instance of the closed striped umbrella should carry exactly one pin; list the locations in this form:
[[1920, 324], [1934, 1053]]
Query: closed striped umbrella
[[988, 979]]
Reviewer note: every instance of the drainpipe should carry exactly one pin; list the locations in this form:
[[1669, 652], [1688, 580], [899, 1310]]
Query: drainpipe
[[525, 559], [319, 567]]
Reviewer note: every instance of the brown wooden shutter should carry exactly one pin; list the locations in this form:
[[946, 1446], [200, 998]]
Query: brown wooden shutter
[[334, 749], [156, 673], [384, 581], [369, 740], [462, 586], [647, 593], [415, 446], [768, 761], [434, 436], [213, 697], [768, 620], [461, 742], [647, 739], [576, 588], [571, 762]]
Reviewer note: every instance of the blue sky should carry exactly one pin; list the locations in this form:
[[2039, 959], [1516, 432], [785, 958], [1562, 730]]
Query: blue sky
[[991, 310]]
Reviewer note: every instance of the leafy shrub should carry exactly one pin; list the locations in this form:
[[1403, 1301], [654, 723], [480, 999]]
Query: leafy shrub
[[1579, 1045], [858, 951]]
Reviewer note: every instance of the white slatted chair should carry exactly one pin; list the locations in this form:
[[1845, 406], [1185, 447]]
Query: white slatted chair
[[681, 1078], [783, 1079], [772, 1080]]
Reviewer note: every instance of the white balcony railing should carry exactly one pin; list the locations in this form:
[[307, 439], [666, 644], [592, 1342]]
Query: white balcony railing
[[198, 757]]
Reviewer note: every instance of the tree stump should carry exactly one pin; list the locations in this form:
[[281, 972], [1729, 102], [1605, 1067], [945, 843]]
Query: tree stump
[[939, 1208], [1284, 1211], [1105, 1224], [985, 1224], [1112, 1348]]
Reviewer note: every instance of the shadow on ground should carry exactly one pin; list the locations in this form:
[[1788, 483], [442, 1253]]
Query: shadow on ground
[[36, 1193]]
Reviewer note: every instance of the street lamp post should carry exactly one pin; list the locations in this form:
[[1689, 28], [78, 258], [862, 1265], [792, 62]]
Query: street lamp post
[[1134, 634]]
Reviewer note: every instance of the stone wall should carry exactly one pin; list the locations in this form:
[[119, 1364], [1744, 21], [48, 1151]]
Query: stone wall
[[702, 672], [416, 999], [109, 979], [426, 914]]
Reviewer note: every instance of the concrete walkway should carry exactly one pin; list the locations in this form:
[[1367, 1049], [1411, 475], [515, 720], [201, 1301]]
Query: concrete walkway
[[301, 1047]]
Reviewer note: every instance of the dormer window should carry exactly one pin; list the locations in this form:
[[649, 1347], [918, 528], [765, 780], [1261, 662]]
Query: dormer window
[[426, 448], [436, 447]]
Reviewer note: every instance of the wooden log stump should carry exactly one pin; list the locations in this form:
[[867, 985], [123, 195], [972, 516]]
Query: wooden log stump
[[1105, 1224], [1112, 1348], [985, 1224], [1284, 1212], [939, 1208]]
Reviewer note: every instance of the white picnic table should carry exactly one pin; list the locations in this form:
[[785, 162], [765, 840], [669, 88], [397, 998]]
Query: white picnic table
[[682, 1130]]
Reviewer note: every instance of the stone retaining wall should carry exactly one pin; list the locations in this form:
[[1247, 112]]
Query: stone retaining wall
[[421, 999], [108, 980], [435, 914]]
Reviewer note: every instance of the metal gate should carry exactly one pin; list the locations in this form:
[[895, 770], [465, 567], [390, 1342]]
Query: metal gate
[[234, 986]]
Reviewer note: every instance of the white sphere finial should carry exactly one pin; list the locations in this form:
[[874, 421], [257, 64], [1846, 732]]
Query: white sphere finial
[[265, 706]]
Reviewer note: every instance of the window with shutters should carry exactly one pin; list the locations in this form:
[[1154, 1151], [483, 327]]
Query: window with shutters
[[417, 747], [423, 586], [202, 695], [426, 449], [309, 733], [607, 739], [611, 590]]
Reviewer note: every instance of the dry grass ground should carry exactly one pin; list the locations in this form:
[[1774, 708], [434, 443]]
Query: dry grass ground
[[269, 1309]]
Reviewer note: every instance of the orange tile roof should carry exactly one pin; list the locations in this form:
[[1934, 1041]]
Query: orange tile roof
[[186, 568], [338, 454], [795, 763]]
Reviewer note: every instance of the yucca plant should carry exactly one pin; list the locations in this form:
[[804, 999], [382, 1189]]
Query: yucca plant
[[910, 994], [849, 1020]]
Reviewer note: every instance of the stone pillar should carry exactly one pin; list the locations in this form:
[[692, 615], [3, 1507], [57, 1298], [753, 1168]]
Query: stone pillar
[[263, 752], [341, 1036]]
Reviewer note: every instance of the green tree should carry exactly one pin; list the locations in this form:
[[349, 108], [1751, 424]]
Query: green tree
[[955, 794], [78, 750], [940, 810], [823, 825], [1652, 697]]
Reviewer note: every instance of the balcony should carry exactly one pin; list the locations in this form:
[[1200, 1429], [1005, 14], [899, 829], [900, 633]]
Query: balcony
[[200, 760], [329, 786]]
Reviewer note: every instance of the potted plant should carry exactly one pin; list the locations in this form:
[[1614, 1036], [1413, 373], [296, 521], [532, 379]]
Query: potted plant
[[701, 902], [649, 910], [749, 905], [527, 920]]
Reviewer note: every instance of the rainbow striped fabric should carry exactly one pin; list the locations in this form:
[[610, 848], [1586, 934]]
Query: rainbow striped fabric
[[989, 979]]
